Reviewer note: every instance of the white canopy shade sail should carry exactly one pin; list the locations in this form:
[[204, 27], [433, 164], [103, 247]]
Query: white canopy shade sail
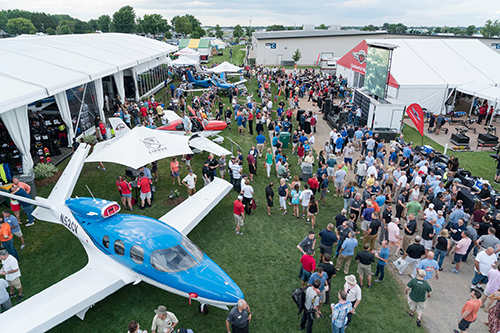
[[140, 146], [225, 67], [187, 51], [183, 61]]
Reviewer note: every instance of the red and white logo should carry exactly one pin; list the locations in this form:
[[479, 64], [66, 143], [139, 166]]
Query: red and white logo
[[360, 56]]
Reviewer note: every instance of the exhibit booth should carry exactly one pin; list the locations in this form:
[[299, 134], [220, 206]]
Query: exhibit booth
[[70, 73]]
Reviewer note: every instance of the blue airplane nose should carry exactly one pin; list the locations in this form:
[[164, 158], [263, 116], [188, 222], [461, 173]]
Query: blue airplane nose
[[216, 283]]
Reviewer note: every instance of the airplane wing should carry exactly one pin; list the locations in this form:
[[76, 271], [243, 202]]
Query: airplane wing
[[71, 296], [239, 82], [171, 115], [184, 218], [202, 143]]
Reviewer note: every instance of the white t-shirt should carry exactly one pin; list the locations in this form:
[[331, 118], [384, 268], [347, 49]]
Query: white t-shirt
[[372, 170], [305, 197], [247, 191], [190, 180], [349, 152], [353, 292], [4, 295], [428, 214], [485, 262], [164, 119], [393, 230], [10, 264], [402, 181]]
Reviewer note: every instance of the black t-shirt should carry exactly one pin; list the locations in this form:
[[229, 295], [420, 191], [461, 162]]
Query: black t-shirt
[[375, 225], [365, 257], [412, 226], [343, 233], [430, 197], [442, 244], [401, 198], [438, 204], [269, 193], [339, 219], [387, 216], [415, 251], [282, 190], [483, 228], [485, 193], [328, 269], [427, 229]]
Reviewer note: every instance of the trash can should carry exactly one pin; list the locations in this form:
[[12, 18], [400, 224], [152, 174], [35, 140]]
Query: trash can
[[29, 179], [306, 170], [284, 138]]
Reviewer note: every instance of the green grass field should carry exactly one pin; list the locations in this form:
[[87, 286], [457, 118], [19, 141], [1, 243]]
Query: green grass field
[[264, 261]]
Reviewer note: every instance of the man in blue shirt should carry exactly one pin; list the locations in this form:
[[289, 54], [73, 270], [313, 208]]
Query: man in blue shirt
[[323, 288], [338, 145], [286, 126], [240, 123], [383, 257], [429, 265], [261, 143], [321, 171], [14, 226], [369, 160], [407, 151], [347, 252]]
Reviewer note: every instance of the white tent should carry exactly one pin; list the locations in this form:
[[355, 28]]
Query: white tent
[[428, 70], [184, 61], [225, 67], [188, 53], [140, 146]]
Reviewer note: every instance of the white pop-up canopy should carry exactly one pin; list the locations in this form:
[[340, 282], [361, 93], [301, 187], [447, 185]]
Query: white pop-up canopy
[[225, 67], [183, 61], [140, 146]]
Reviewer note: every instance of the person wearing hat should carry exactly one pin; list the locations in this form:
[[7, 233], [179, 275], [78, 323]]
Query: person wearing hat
[[353, 292], [10, 268], [190, 182], [239, 213], [420, 289], [239, 317], [163, 321]]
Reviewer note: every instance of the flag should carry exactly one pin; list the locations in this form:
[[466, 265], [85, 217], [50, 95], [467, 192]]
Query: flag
[[414, 111]]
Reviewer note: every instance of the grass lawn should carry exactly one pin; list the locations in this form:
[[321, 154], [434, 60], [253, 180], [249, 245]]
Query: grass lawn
[[264, 262], [238, 56], [478, 162]]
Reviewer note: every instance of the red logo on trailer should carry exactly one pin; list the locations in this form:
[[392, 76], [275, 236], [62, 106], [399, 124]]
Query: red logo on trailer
[[416, 115]]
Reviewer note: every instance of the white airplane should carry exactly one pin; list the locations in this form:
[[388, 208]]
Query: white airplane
[[122, 249]]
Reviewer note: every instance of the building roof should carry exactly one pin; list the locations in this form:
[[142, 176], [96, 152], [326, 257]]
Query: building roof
[[313, 33], [36, 67]]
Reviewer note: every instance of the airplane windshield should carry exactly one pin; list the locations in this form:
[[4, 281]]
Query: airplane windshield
[[172, 260], [192, 248]]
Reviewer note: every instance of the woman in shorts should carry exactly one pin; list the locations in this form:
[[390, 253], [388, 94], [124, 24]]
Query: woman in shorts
[[15, 206], [174, 171], [296, 192], [269, 161], [126, 191], [312, 211]]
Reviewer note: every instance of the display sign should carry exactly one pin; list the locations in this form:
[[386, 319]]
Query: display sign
[[416, 114], [271, 46], [377, 69]]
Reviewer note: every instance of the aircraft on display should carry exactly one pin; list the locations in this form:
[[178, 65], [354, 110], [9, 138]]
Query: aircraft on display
[[200, 126], [213, 81], [123, 249]]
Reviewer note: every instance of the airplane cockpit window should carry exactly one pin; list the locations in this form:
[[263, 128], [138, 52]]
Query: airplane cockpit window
[[171, 260], [196, 125], [119, 247], [192, 248], [179, 127], [137, 254], [105, 242]]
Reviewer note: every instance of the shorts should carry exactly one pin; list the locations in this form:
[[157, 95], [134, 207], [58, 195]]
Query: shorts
[[191, 191], [347, 160], [16, 283], [330, 171], [228, 120], [338, 150], [322, 295], [15, 208], [304, 275], [240, 127], [174, 173], [260, 146], [294, 144], [364, 269], [365, 224], [127, 195], [498, 172], [146, 195], [18, 234], [239, 220], [325, 249], [458, 257], [339, 185], [463, 325], [251, 169], [324, 191], [427, 243], [418, 306], [270, 203]]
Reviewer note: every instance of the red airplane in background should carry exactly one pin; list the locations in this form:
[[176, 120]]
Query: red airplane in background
[[200, 126]]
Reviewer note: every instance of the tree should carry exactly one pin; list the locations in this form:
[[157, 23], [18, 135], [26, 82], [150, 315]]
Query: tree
[[491, 29], [50, 31], [124, 20], [437, 30], [42, 21], [276, 27], [385, 26], [3, 20], [182, 25], [20, 25], [198, 32], [471, 30], [248, 31], [399, 28], [92, 25], [370, 27], [65, 30], [238, 31], [322, 27], [195, 23], [218, 32], [296, 56], [153, 24], [81, 27], [69, 24], [104, 23]]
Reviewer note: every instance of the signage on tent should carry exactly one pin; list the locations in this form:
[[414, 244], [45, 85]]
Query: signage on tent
[[416, 114], [360, 56], [153, 145]]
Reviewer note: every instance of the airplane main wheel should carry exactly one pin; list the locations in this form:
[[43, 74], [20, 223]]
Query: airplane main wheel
[[203, 308]]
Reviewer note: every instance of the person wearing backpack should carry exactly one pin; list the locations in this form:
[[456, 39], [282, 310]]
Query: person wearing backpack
[[310, 306], [348, 194]]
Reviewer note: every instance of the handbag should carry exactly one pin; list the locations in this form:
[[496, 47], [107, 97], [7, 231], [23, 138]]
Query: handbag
[[399, 263]]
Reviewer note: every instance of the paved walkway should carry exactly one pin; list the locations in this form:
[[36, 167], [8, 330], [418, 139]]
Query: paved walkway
[[450, 291]]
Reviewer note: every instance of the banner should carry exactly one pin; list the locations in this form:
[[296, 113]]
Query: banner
[[416, 115]]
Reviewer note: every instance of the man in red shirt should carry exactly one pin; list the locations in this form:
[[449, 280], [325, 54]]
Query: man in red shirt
[[308, 266], [313, 184], [102, 128], [144, 183], [239, 213], [469, 311], [144, 112]]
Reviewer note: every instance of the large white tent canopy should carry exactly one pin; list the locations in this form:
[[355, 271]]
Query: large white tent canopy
[[225, 67], [184, 61]]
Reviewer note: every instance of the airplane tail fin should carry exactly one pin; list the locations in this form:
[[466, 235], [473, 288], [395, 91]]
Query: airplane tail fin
[[65, 185], [190, 76]]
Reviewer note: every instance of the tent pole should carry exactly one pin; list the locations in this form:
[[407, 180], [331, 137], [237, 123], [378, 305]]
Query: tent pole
[[454, 98], [493, 114], [472, 105]]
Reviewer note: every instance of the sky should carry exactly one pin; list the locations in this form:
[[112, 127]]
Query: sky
[[286, 12]]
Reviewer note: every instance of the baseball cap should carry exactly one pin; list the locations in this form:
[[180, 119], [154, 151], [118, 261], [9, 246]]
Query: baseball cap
[[431, 205], [240, 197]]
